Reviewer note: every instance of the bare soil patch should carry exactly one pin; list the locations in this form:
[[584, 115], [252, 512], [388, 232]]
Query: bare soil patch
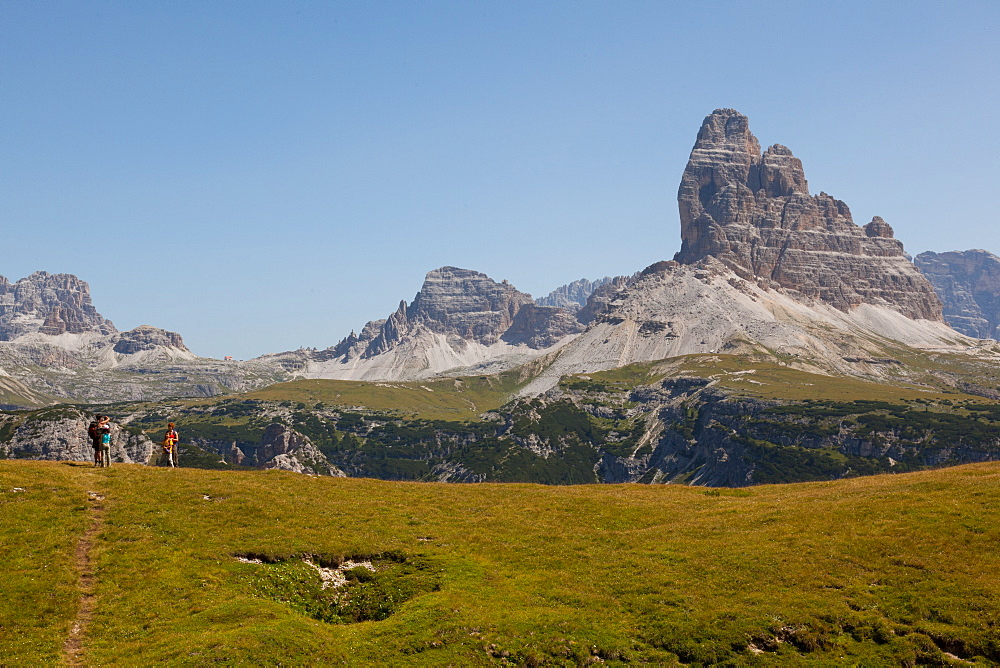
[[73, 647]]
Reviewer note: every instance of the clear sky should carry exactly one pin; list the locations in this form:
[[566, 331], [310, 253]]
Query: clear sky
[[261, 176]]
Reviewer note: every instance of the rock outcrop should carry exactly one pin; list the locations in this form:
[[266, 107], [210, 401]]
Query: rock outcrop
[[60, 434], [968, 283], [541, 326], [282, 447], [753, 212], [599, 299], [51, 304], [144, 338]]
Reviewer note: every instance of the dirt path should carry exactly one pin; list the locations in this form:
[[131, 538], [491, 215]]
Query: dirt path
[[73, 647]]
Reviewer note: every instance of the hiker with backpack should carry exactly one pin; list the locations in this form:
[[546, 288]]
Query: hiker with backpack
[[104, 429], [170, 445], [93, 431]]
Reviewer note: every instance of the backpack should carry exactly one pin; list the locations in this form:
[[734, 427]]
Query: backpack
[[92, 430]]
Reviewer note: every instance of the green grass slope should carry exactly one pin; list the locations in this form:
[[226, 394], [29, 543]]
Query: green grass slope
[[885, 570], [763, 376], [431, 399], [768, 377]]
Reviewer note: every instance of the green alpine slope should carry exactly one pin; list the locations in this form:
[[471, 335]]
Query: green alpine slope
[[195, 567]]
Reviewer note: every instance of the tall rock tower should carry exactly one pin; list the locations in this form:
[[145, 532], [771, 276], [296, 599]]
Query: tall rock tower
[[754, 212]]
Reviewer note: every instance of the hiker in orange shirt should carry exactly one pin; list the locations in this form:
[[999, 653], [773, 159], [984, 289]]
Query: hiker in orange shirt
[[170, 445]]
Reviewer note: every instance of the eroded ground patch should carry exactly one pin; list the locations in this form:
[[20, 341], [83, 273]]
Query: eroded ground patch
[[339, 590]]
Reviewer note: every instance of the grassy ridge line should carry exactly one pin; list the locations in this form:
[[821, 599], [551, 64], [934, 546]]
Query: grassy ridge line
[[433, 399], [767, 378], [465, 398], [880, 570]]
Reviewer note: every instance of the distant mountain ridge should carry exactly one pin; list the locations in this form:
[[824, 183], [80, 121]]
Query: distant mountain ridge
[[58, 304], [573, 295], [460, 318], [460, 304], [764, 266], [54, 344], [968, 283], [460, 308]]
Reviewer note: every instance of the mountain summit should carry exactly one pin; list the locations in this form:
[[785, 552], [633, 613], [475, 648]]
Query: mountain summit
[[50, 304], [55, 344], [753, 211], [460, 304]]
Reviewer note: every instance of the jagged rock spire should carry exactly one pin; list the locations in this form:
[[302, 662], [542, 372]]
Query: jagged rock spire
[[753, 211]]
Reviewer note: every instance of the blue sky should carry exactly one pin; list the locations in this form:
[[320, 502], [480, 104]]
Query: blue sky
[[260, 176]]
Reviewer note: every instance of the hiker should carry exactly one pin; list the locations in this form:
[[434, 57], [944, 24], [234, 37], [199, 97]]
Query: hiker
[[170, 445], [93, 431], [104, 429]]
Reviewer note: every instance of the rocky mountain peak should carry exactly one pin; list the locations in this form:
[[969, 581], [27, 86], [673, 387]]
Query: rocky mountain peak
[[146, 337], [781, 173], [462, 306], [466, 303], [753, 211], [727, 129], [48, 304]]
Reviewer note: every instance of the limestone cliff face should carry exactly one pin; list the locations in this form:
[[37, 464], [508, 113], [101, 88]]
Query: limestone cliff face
[[753, 211], [598, 300], [541, 326], [284, 448], [144, 338], [468, 303], [61, 434], [968, 283], [49, 304]]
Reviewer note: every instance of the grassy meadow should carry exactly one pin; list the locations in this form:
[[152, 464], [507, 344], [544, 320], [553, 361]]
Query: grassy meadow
[[462, 398], [882, 570], [767, 377]]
